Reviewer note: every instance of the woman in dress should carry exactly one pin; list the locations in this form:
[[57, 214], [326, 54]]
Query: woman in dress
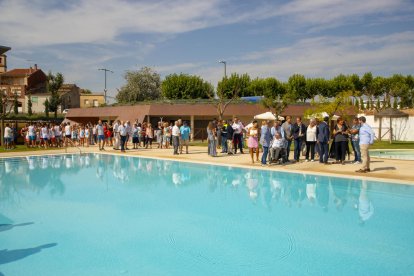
[[311, 140], [149, 135], [253, 141], [341, 140]]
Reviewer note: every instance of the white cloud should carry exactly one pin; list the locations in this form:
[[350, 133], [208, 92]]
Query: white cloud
[[325, 56]]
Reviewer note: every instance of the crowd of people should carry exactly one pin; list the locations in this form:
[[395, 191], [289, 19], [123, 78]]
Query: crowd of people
[[313, 141], [274, 139], [118, 135]]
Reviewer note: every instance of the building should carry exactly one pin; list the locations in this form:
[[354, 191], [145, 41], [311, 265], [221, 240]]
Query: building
[[92, 100], [197, 114], [70, 96], [3, 58], [22, 82]]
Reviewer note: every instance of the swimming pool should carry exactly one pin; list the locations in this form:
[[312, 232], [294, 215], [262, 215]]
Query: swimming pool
[[393, 154], [102, 214]]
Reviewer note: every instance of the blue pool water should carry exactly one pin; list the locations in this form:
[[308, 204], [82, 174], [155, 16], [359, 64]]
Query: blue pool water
[[112, 215], [393, 154]]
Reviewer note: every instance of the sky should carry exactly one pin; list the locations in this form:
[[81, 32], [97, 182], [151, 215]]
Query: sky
[[316, 38]]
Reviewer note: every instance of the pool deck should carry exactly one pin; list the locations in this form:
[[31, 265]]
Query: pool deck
[[385, 170]]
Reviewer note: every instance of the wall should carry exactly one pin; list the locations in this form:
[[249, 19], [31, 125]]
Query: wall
[[403, 128]]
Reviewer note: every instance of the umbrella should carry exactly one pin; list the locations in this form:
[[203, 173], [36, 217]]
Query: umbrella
[[268, 116]]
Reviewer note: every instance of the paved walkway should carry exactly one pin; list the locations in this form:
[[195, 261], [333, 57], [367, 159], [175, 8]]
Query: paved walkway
[[401, 171]]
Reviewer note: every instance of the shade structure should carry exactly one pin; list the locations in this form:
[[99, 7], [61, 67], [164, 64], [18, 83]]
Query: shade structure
[[268, 116], [388, 113], [322, 115]]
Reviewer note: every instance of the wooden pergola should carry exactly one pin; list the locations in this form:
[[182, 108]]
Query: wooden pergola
[[388, 113]]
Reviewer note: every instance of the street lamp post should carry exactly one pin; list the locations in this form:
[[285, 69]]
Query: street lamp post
[[105, 70], [225, 67]]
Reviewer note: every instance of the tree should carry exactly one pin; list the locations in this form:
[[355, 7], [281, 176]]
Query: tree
[[236, 82], [395, 103], [362, 104], [367, 86], [356, 85], [297, 87], [29, 105], [356, 103], [5, 110], [184, 86], [276, 97], [224, 96], [318, 86], [15, 104], [46, 104], [339, 105], [54, 83], [142, 85], [342, 83], [407, 97], [86, 91]]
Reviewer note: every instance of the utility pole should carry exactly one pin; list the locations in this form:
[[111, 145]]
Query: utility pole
[[105, 70]]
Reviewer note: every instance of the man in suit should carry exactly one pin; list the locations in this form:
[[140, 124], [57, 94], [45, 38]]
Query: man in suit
[[323, 140], [265, 139], [299, 132], [287, 134]]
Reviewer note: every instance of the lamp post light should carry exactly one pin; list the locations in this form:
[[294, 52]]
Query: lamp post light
[[225, 67], [105, 70]]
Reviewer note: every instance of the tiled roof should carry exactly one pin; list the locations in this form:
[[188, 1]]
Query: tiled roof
[[140, 111], [19, 72]]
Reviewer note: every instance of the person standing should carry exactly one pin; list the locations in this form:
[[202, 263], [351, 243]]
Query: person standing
[[238, 135], [224, 148], [265, 139], [122, 134], [7, 137], [355, 140], [185, 137], [149, 135], [175, 133], [101, 135], [230, 134], [116, 135], [287, 130], [341, 140], [366, 138], [253, 141], [211, 137], [311, 132], [323, 134], [298, 132]]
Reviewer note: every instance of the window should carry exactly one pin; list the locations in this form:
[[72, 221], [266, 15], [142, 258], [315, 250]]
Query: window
[[18, 92], [86, 102], [95, 103], [35, 100]]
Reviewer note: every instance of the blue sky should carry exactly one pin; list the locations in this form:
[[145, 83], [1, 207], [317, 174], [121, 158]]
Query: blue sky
[[262, 38]]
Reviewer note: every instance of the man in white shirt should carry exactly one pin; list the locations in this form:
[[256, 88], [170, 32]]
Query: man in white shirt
[[101, 135], [237, 135], [123, 135], [176, 137], [278, 148], [67, 134], [7, 137], [32, 135]]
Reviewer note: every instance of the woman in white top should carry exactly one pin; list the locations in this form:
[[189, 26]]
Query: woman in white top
[[44, 132], [253, 141], [311, 136], [87, 135]]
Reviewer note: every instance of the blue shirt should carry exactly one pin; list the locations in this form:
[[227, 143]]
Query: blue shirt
[[366, 135], [265, 137], [185, 132]]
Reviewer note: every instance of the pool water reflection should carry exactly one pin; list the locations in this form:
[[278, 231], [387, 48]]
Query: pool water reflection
[[109, 215]]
